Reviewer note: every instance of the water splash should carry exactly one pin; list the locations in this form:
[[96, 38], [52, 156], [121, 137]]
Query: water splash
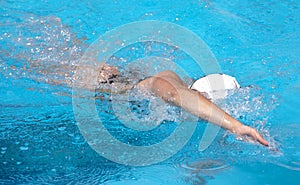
[[251, 107], [41, 48], [288, 139]]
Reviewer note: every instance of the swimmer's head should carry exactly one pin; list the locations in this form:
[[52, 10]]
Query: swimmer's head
[[106, 73], [110, 80]]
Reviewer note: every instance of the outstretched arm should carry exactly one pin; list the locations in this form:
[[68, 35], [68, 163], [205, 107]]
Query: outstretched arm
[[171, 88]]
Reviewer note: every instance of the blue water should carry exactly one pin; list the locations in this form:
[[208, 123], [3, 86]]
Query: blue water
[[257, 42]]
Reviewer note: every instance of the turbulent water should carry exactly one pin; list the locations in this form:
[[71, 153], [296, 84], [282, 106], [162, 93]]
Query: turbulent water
[[40, 141]]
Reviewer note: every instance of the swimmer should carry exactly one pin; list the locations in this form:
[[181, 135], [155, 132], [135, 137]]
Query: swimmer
[[168, 86]]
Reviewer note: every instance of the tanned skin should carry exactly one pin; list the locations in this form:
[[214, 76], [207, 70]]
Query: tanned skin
[[168, 86]]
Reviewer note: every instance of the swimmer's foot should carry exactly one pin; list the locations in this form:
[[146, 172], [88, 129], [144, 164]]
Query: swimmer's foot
[[253, 133]]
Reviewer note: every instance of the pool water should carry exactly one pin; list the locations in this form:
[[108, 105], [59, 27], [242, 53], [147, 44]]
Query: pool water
[[40, 41]]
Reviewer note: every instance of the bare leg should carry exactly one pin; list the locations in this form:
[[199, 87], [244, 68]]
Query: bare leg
[[168, 86]]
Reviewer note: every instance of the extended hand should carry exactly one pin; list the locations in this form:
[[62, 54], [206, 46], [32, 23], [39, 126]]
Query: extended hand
[[249, 131]]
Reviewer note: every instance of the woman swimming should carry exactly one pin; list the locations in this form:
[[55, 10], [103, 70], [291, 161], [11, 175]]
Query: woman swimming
[[168, 86]]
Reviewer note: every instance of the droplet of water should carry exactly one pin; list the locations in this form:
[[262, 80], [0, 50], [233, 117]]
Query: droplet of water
[[61, 128], [23, 148], [18, 163]]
